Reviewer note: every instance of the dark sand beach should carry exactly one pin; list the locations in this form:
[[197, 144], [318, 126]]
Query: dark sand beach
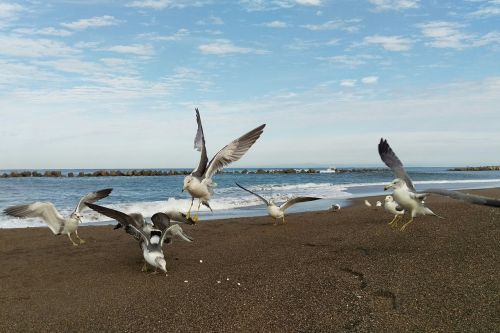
[[322, 272]]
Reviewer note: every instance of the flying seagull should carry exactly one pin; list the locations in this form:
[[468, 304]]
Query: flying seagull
[[199, 183], [278, 212], [406, 195], [393, 207], [50, 215], [151, 239]]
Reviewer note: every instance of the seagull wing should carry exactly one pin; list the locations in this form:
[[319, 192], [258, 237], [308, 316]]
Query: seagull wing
[[258, 196], [92, 197], [161, 221], [121, 217], [175, 230], [293, 201], [137, 233], [199, 144], [390, 159], [233, 151], [44, 210], [470, 198]]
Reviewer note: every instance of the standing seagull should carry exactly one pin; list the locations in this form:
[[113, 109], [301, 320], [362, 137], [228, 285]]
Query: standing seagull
[[50, 215], [199, 183], [151, 240], [278, 212], [406, 195], [392, 207]]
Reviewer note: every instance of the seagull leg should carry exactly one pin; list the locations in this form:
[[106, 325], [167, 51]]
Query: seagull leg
[[144, 267], [393, 220], [69, 236], [195, 217], [81, 240], [284, 222], [189, 210], [404, 225]]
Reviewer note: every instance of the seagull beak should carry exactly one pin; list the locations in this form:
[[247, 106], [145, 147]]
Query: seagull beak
[[387, 187]]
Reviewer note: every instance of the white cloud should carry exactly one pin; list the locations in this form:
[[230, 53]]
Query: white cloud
[[381, 5], [275, 24], [492, 8], [93, 22], [10, 11], [163, 4], [348, 83], [445, 34], [49, 31], [223, 46], [136, 49], [349, 60], [351, 25], [178, 35], [369, 80], [258, 5], [25, 47], [389, 43], [215, 20]]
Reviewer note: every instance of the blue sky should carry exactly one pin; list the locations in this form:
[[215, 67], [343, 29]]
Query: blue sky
[[91, 84]]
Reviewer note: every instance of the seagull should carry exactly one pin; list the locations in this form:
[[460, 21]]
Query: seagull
[[335, 208], [278, 212], [151, 239], [406, 195], [50, 215], [378, 204], [393, 207], [199, 183]]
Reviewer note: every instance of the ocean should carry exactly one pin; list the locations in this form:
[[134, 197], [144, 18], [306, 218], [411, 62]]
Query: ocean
[[152, 194]]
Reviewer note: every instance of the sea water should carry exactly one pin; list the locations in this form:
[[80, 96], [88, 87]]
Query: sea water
[[152, 194]]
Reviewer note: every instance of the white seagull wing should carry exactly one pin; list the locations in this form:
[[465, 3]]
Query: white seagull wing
[[390, 159], [293, 201], [91, 198], [44, 210], [233, 151], [199, 144], [175, 230]]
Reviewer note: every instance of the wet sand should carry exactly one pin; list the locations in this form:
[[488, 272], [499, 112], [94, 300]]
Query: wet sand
[[346, 271]]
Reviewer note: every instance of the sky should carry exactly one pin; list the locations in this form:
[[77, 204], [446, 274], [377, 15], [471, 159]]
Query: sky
[[114, 84]]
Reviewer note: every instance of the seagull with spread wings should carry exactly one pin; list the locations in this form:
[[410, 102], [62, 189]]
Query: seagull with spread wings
[[199, 183], [278, 212], [406, 195], [151, 238], [57, 223]]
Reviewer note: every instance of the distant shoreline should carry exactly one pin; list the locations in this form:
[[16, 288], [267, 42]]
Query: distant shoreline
[[148, 172], [478, 168]]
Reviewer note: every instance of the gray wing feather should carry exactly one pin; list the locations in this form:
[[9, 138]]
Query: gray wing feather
[[258, 196], [199, 144], [44, 210], [92, 197], [175, 230], [121, 217], [293, 201], [161, 221], [390, 159], [233, 151], [137, 233], [470, 198]]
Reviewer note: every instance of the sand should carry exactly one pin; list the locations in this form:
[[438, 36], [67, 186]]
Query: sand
[[322, 272]]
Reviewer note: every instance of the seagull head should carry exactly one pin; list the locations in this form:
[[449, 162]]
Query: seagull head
[[187, 182], [389, 198], [161, 263], [395, 184], [77, 216]]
